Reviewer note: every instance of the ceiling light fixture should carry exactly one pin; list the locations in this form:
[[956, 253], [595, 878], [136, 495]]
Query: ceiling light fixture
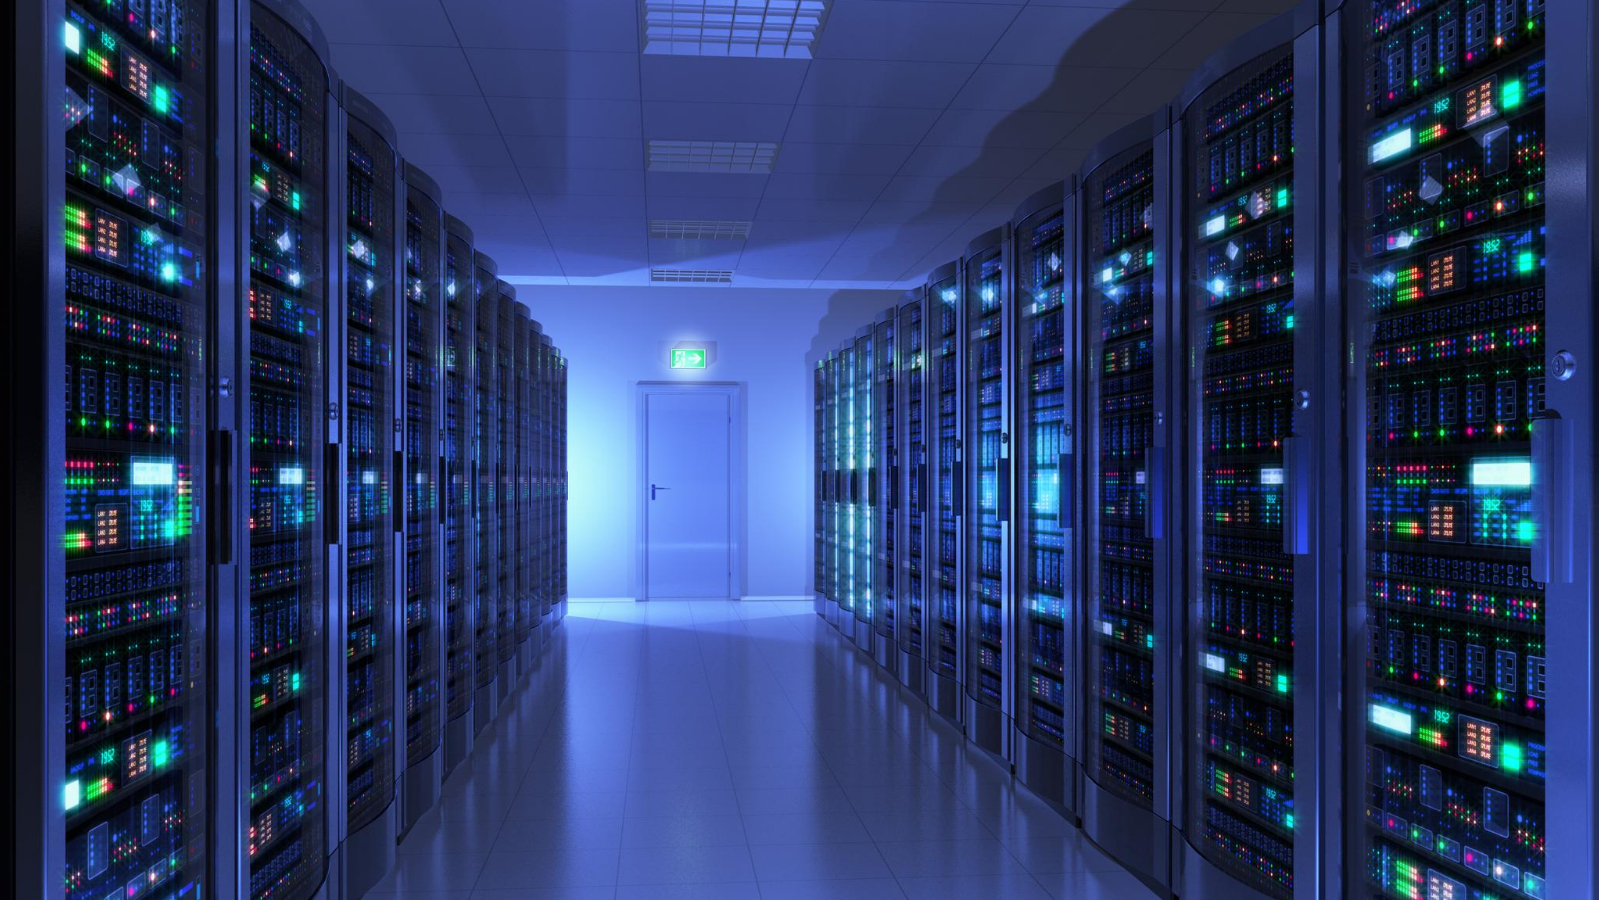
[[742, 157], [776, 29], [699, 229]]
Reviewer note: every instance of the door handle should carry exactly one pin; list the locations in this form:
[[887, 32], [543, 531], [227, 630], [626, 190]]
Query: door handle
[[1295, 507], [1154, 472], [1064, 486], [656, 487], [1002, 477], [958, 490], [1550, 558]]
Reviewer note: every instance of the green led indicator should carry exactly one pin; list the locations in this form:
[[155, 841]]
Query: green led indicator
[[689, 359], [1525, 261], [159, 99], [1511, 94], [159, 754], [1511, 757], [1283, 197], [1283, 684], [1525, 531]]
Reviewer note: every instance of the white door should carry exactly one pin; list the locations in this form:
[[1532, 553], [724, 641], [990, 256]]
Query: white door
[[688, 528]]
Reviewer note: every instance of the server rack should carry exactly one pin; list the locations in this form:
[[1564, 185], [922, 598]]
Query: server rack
[[862, 358], [1123, 255], [290, 517], [548, 435], [911, 485], [560, 561], [486, 390], [883, 491], [1046, 389], [424, 467], [460, 486], [821, 493], [525, 549], [1470, 147], [834, 484], [373, 522], [1255, 526], [506, 601], [946, 614], [986, 530], [845, 415]]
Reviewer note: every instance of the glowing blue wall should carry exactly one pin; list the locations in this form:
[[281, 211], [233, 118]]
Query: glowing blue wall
[[765, 338]]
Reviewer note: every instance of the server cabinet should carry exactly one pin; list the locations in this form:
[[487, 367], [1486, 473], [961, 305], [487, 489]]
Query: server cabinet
[[424, 467], [1046, 387], [116, 293], [883, 491], [291, 514], [849, 456], [561, 370], [945, 614], [1124, 253], [986, 529], [485, 611], [1469, 198], [1246, 224], [526, 549], [373, 521], [911, 485], [506, 602], [460, 485], [863, 464], [549, 400], [821, 496], [835, 506]]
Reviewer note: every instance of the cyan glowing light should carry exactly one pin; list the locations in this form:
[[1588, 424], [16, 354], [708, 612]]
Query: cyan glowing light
[[160, 100], [73, 38], [152, 473], [292, 475], [1215, 225], [370, 285], [1232, 250], [1125, 257], [359, 249], [1389, 718], [1054, 262], [987, 294], [450, 289], [169, 272], [1272, 475], [948, 295], [1502, 473], [1216, 663], [285, 241], [72, 794], [1104, 626], [1107, 274], [1386, 278], [294, 279], [1219, 286], [1393, 145], [369, 477]]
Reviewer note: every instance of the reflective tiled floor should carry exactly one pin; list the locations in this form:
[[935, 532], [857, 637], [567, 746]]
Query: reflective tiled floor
[[732, 751]]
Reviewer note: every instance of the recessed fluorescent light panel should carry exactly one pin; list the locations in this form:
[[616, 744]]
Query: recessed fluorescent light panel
[[775, 29], [692, 276], [699, 230], [743, 157]]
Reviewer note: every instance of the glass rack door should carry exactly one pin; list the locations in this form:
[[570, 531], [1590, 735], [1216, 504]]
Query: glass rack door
[[886, 613], [506, 606], [1239, 289], [944, 298], [424, 349], [486, 526], [984, 409], [913, 463], [1119, 296], [1044, 478], [289, 483], [137, 311], [460, 402], [863, 598]]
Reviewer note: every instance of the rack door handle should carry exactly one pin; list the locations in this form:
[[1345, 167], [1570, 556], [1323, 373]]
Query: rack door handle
[[1296, 508], [1002, 487], [958, 489], [1550, 557], [332, 491], [656, 487], [1154, 467], [1064, 487], [221, 512]]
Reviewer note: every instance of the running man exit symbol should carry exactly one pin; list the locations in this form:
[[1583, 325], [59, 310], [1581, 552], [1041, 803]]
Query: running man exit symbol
[[689, 359]]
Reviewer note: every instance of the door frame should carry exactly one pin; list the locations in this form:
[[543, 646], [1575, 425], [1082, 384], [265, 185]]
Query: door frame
[[734, 391]]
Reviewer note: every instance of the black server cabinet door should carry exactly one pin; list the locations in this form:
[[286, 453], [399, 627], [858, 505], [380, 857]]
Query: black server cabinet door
[[561, 474], [1238, 217], [139, 233], [293, 473], [525, 609], [885, 515], [864, 460], [1119, 296], [849, 508], [1046, 707], [983, 385], [459, 487], [487, 581], [912, 461], [1447, 243], [424, 467], [944, 302], [819, 479], [830, 461], [369, 414], [506, 599]]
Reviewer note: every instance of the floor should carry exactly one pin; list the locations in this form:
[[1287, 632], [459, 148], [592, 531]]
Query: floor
[[733, 751]]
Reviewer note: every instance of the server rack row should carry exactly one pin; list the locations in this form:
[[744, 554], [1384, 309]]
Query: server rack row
[[265, 390], [1239, 496]]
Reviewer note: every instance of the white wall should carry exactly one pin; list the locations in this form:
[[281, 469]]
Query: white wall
[[766, 339]]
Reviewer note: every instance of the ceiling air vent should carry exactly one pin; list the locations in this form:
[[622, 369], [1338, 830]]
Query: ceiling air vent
[[692, 276], [699, 230], [744, 157], [774, 29]]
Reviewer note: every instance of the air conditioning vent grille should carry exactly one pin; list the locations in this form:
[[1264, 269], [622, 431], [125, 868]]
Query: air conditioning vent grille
[[699, 229], [743, 157], [692, 276], [774, 29]]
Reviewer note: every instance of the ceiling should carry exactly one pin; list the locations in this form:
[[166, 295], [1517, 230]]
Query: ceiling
[[917, 125]]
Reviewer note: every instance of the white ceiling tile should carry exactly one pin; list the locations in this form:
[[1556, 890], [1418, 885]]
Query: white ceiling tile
[[893, 212], [591, 182], [555, 73], [476, 180], [788, 249], [439, 113], [1043, 88], [812, 210], [694, 254], [1000, 128], [520, 116], [404, 70], [721, 80], [701, 184], [907, 29], [931, 159], [1079, 36], [849, 159], [715, 121], [736, 209], [825, 187], [943, 190], [471, 207], [547, 24], [596, 247], [1191, 5], [859, 125], [870, 82], [1210, 35], [413, 22], [428, 149], [516, 243], [588, 206], [577, 153]]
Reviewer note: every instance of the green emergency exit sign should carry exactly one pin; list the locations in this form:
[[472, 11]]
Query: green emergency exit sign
[[689, 359]]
